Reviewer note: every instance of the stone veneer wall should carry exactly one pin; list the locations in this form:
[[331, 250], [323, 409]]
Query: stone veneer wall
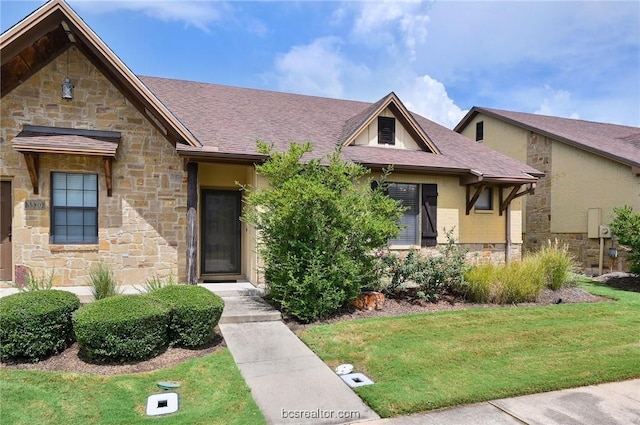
[[142, 227], [478, 253]]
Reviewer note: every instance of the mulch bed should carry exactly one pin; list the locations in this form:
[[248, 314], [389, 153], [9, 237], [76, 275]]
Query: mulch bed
[[70, 361]]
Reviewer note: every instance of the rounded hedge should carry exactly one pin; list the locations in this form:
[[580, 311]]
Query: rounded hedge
[[121, 328], [194, 313], [36, 324]]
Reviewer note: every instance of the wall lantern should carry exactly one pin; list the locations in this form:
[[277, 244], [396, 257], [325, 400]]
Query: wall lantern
[[67, 86]]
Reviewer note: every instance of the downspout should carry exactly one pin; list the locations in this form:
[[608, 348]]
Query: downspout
[[507, 250]]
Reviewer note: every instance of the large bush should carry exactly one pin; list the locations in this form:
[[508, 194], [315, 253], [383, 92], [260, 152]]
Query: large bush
[[36, 324], [318, 221], [121, 328], [626, 227], [194, 313]]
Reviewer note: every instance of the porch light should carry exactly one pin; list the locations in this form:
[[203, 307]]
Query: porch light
[[67, 86], [67, 89]]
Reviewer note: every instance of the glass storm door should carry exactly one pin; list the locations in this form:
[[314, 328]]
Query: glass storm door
[[221, 232]]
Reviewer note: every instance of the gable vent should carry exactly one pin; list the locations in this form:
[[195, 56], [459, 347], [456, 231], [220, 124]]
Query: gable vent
[[386, 131]]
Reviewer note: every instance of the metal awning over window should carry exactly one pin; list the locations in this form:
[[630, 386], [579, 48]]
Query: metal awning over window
[[35, 140]]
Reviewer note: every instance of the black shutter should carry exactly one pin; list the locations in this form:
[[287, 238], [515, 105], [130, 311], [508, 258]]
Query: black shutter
[[479, 131], [386, 131], [429, 214]]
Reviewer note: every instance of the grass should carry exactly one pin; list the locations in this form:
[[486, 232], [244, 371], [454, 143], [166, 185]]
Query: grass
[[212, 392], [435, 360]]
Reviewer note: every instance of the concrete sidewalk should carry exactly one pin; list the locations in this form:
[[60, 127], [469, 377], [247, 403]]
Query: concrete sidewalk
[[616, 403], [290, 384]]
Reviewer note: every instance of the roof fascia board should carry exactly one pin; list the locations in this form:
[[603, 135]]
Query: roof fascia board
[[406, 119]]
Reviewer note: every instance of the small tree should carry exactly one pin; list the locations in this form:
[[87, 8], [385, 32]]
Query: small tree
[[626, 227], [318, 224]]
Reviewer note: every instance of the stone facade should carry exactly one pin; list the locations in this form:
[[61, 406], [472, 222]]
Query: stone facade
[[142, 226]]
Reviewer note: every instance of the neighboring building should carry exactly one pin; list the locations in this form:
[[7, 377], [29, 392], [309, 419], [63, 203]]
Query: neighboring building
[[142, 173], [589, 167]]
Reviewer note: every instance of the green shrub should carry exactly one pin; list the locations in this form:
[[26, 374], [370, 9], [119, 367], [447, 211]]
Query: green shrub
[[626, 228], [194, 312], [557, 265], [36, 324], [103, 282], [443, 272], [121, 328], [319, 222], [36, 283]]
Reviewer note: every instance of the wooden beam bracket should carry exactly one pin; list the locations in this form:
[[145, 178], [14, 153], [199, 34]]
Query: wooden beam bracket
[[530, 190], [107, 162], [471, 201], [33, 164]]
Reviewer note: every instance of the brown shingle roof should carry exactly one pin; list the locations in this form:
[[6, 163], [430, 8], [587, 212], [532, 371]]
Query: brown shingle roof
[[231, 119], [617, 142]]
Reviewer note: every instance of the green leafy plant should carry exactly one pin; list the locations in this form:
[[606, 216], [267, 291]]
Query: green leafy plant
[[32, 282], [103, 282], [319, 223], [36, 324], [626, 228], [433, 274]]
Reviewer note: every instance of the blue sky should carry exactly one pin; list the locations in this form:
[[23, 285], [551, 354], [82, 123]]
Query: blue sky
[[577, 59]]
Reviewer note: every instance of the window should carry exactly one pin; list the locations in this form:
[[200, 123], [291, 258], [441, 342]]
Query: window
[[74, 208], [408, 195], [479, 131], [386, 131], [485, 200]]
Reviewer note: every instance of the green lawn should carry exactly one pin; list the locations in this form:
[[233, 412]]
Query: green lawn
[[434, 360], [212, 392]]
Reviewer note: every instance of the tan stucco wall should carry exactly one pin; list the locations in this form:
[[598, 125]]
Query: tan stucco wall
[[142, 227], [369, 136], [483, 233], [581, 180]]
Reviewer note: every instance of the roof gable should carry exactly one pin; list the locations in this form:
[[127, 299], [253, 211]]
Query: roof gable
[[616, 142], [47, 32], [357, 124]]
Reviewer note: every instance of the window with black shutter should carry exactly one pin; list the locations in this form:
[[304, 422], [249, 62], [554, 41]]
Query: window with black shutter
[[386, 131]]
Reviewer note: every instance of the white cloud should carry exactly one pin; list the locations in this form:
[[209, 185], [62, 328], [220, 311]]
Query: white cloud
[[318, 68], [200, 14], [428, 97], [557, 103], [380, 23]]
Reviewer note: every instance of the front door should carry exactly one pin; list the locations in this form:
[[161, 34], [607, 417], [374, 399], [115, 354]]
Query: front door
[[221, 232], [5, 230]]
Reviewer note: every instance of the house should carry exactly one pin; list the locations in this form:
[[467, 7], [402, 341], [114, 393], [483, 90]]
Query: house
[[99, 164], [590, 168]]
